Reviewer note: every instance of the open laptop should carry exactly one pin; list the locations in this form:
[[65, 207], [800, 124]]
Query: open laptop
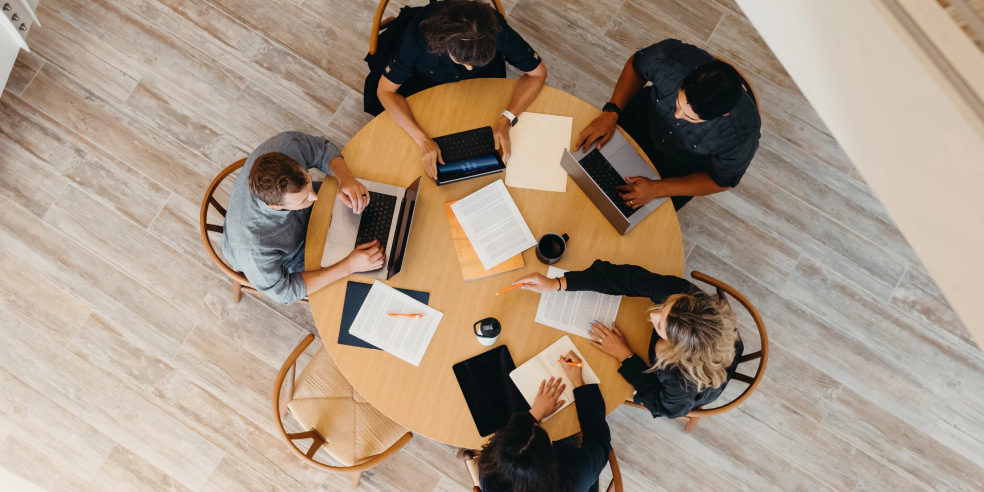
[[387, 218], [468, 154], [600, 172]]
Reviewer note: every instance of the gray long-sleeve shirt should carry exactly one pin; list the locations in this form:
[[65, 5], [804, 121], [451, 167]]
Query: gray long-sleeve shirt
[[267, 245]]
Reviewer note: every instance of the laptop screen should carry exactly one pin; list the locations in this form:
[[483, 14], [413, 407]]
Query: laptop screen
[[402, 236]]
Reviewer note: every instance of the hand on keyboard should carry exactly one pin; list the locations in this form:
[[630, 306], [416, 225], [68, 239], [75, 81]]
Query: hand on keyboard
[[602, 127], [353, 194], [365, 258], [430, 155], [639, 191]]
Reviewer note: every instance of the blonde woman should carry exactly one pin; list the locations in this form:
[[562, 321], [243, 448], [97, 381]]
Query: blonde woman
[[695, 345]]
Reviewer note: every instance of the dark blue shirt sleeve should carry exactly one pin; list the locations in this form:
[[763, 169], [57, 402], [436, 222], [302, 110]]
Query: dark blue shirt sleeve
[[728, 167], [649, 62], [672, 398], [404, 61], [517, 51], [628, 280]]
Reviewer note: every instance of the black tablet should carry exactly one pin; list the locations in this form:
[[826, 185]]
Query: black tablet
[[489, 391]]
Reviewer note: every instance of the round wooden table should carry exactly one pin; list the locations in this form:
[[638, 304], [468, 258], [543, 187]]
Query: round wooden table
[[427, 399]]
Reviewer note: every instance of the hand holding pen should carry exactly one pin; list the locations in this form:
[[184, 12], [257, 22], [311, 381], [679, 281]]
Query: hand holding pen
[[572, 368]]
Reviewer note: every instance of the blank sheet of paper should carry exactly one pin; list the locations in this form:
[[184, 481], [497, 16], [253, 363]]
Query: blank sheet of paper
[[537, 144], [406, 338], [573, 312], [493, 224]]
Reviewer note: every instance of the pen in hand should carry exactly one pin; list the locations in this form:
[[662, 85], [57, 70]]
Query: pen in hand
[[395, 315], [507, 289], [575, 364]]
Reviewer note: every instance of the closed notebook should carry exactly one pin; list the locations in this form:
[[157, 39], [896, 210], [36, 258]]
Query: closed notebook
[[546, 365], [471, 266], [355, 295], [489, 392]]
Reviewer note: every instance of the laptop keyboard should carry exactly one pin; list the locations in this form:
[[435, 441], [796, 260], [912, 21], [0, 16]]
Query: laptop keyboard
[[607, 179], [377, 219], [466, 144]]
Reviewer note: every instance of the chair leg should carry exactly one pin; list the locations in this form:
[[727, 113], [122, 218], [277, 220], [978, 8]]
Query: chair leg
[[356, 477], [691, 424], [237, 291]]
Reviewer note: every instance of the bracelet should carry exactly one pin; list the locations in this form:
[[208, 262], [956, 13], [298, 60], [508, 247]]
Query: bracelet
[[560, 284]]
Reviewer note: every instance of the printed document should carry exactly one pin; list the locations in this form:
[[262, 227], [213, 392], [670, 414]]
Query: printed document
[[493, 224], [547, 365], [538, 143], [573, 312], [406, 338]]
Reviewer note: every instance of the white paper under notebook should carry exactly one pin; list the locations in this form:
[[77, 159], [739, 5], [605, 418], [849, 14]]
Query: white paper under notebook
[[493, 224], [406, 338], [546, 365], [573, 312], [537, 143]]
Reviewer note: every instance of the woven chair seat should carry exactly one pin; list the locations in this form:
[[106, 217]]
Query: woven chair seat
[[353, 429]]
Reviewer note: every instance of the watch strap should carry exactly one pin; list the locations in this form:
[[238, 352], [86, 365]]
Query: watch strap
[[611, 107], [513, 119]]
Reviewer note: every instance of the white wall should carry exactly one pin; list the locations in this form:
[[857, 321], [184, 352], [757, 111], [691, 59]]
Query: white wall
[[901, 124]]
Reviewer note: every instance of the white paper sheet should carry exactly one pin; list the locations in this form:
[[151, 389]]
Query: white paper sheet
[[573, 312], [406, 338], [537, 144], [493, 224], [546, 365]]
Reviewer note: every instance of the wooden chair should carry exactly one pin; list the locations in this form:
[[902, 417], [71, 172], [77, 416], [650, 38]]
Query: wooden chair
[[239, 282], [338, 419], [469, 457], [753, 381], [379, 24]]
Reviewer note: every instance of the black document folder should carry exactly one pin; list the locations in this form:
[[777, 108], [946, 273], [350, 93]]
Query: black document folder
[[489, 391], [355, 295]]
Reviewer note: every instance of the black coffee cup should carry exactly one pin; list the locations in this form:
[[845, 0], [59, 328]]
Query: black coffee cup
[[551, 247], [487, 330]]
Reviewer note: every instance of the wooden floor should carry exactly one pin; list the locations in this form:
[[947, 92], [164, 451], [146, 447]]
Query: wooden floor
[[124, 365]]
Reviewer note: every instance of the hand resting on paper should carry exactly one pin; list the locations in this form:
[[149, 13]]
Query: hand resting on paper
[[548, 400], [610, 341], [538, 282]]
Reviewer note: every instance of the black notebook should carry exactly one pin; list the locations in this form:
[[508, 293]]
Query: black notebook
[[355, 295], [489, 392]]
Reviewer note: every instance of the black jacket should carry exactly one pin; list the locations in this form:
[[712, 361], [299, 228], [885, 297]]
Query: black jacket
[[666, 392]]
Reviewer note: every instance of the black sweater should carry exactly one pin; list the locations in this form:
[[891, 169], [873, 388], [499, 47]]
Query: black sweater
[[666, 392]]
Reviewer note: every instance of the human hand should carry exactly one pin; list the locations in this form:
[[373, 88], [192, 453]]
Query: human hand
[[639, 191], [430, 155], [602, 127], [611, 342], [573, 372], [365, 258], [547, 399], [353, 194], [500, 131], [537, 282]]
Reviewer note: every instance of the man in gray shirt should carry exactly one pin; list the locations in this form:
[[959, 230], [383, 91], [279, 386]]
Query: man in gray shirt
[[269, 208]]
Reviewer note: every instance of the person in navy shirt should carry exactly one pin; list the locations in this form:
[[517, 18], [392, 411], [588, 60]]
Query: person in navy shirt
[[452, 41]]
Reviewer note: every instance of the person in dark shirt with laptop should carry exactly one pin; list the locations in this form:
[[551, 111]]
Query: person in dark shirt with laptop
[[451, 41], [695, 345], [521, 458], [696, 122]]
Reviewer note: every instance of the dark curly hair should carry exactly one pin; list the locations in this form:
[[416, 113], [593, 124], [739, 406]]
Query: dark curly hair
[[464, 29], [713, 89], [273, 175], [520, 458]]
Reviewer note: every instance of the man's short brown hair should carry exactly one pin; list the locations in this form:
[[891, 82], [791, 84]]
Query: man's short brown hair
[[273, 175]]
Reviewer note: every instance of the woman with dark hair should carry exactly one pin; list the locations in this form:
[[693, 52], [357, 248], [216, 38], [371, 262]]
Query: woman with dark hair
[[447, 42], [694, 349], [521, 458]]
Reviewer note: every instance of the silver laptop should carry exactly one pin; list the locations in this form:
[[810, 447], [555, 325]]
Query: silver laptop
[[599, 172], [388, 218]]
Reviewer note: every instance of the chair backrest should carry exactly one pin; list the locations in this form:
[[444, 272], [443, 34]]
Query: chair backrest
[[378, 23], [763, 353], [289, 369], [206, 228]]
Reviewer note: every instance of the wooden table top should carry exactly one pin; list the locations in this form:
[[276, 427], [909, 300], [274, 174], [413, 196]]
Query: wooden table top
[[427, 399]]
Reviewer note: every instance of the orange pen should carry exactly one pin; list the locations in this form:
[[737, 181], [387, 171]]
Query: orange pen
[[395, 315], [575, 364], [507, 289]]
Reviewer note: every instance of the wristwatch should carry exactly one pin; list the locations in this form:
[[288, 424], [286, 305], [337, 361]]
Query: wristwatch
[[513, 119], [611, 107]]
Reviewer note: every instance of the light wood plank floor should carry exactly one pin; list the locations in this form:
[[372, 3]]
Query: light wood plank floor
[[125, 365]]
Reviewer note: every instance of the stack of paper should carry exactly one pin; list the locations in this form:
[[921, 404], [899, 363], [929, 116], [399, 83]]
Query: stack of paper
[[538, 143], [471, 266], [404, 337], [547, 365], [573, 312], [493, 224]]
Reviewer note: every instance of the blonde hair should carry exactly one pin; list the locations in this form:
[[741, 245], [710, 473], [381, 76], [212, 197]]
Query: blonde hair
[[702, 331]]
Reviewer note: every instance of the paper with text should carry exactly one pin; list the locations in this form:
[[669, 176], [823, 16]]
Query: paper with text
[[537, 144], [546, 365], [493, 224], [406, 338], [573, 312]]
